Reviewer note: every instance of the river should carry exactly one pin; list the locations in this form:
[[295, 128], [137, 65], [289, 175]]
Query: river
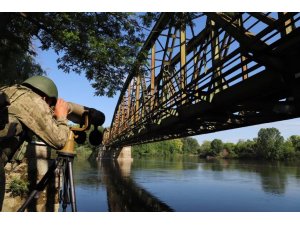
[[187, 184]]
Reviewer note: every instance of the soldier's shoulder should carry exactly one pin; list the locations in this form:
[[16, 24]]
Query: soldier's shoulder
[[15, 88]]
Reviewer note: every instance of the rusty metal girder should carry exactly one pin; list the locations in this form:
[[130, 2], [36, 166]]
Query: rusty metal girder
[[204, 73]]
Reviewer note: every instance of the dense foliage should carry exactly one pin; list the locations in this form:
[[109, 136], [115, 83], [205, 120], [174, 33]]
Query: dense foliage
[[162, 148], [18, 187], [190, 146], [16, 65], [101, 45], [186, 146], [269, 144]]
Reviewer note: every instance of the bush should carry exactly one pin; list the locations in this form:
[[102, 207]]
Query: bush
[[295, 139], [245, 149], [18, 187], [161, 148], [205, 149], [190, 146], [287, 150], [229, 147], [216, 146]]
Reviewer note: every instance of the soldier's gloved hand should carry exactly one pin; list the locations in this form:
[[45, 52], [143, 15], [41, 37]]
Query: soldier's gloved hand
[[61, 109]]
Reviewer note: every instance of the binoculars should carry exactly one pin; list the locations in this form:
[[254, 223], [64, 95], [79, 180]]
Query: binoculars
[[83, 115]]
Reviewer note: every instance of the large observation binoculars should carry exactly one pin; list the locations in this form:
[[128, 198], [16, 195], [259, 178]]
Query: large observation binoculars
[[85, 116]]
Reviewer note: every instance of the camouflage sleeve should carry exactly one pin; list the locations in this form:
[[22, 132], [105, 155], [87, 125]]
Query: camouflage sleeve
[[35, 114]]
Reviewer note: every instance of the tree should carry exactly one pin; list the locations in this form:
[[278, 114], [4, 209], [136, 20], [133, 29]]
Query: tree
[[216, 146], [295, 140], [161, 148], [269, 142], [245, 149], [190, 145], [19, 68], [175, 146], [102, 45], [16, 52], [286, 150], [205, 149], [16, 65], [230, 149]]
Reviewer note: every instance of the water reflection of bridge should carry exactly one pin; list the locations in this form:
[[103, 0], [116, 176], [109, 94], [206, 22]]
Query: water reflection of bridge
[[125, 195]]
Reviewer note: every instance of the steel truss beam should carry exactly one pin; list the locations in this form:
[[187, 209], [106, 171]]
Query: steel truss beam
[[206, 72]]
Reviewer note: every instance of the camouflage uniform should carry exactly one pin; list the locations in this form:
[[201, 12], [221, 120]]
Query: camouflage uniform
[[26, 113], [29, 112]]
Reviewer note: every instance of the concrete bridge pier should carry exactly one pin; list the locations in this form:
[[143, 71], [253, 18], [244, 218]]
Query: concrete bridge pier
[[125, 160], [121, 154]]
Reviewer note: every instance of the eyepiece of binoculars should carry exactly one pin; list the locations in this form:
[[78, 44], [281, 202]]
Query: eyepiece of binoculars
[[77, 114], [80, 137], [96, 137]]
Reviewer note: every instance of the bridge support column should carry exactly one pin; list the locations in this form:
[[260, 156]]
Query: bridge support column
[[125, 153], [124, 160], [120, 154]]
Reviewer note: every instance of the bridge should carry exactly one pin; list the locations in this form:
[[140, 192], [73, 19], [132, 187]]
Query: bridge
[[199, 73]]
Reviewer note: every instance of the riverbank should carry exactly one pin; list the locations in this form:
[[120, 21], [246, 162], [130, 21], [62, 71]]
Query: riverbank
[[269, 145]]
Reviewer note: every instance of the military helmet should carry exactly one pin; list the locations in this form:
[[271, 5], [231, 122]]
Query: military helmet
[[43, 84]]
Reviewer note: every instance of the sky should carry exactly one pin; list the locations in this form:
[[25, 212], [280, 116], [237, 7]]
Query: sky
[[76, 88]]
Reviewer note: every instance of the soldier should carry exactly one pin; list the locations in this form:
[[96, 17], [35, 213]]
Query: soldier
[[27, 109]]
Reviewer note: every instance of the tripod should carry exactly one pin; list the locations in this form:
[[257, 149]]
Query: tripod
[[67, 194], [63, 164]]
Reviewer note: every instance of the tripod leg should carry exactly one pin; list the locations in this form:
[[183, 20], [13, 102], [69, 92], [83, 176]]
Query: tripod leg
[[65, 193], [72, 187]]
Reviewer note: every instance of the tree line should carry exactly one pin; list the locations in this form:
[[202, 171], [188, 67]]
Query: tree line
[[269, 144]]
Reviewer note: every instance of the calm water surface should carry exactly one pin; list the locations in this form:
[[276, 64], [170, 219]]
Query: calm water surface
[[187, 184]]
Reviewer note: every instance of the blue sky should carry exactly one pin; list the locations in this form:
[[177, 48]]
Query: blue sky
[[75, 88]]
